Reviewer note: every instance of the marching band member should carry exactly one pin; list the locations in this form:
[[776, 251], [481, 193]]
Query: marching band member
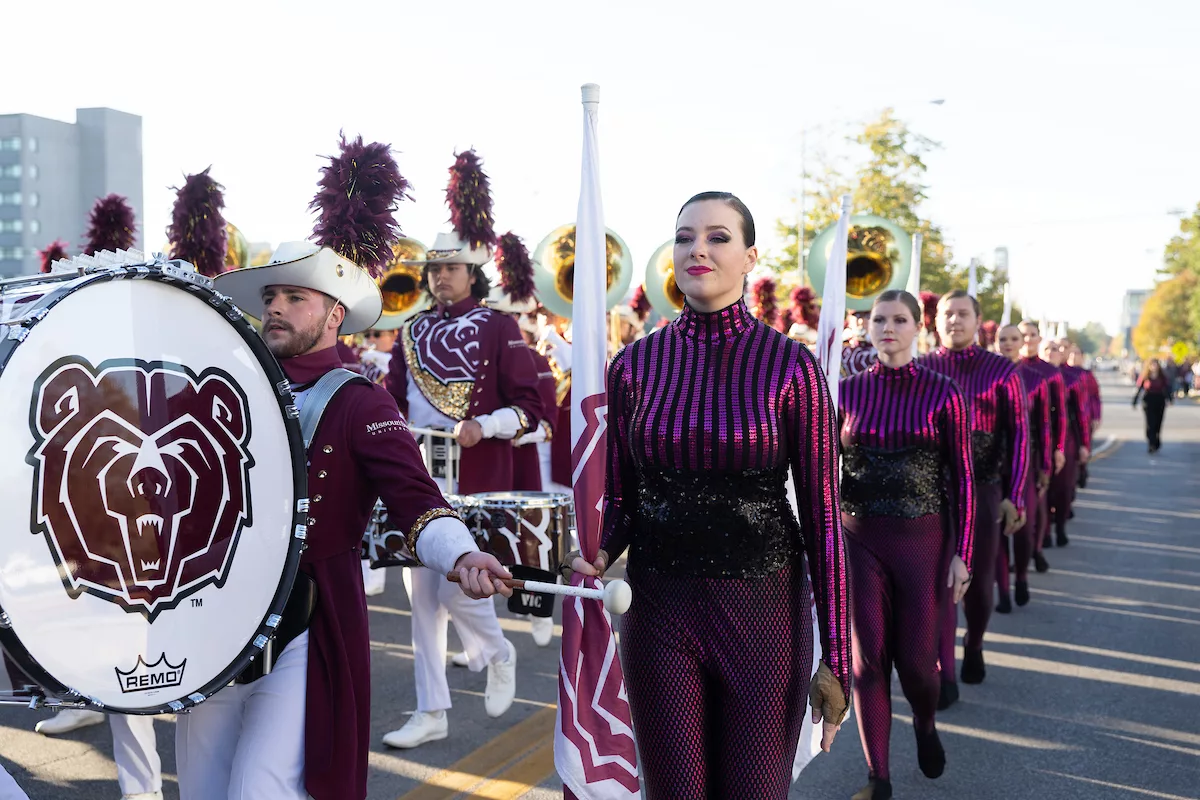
[[462, 366], [1048, 419], [554, 342], [908, 508], [999, 430], [1079, 438], [706, 415], [858, 353], [1020, 542], [302, 729], [377, 354]]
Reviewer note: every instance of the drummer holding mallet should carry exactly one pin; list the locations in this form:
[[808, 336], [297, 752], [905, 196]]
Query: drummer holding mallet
[[303, 728]]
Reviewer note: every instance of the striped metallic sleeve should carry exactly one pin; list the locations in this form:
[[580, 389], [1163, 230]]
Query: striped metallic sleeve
[[620, 484], [813, 454], [1016, 408], [956, 433]]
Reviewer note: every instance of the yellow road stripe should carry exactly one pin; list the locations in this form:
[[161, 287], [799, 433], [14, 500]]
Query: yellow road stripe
[[521, 776], [515, 744]]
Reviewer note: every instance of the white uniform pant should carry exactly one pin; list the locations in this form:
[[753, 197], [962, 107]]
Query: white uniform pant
[[247, 742], [435, 599], [135, 750]]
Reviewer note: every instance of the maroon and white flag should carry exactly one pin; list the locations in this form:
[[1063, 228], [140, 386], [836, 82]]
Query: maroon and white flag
[[593, 743]]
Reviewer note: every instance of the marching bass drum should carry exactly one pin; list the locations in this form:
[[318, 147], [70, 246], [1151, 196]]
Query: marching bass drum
[[152, 485]]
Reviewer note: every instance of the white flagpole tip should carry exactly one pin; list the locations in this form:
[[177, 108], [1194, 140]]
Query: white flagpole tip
[[846, 204], [591, 92]]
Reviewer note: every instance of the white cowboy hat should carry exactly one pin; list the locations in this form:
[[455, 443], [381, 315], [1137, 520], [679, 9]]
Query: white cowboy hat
[[503, 302], [448, 248], [310, 267]]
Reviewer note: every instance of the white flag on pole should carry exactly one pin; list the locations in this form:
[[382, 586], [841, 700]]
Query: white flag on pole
[[973, 278], [914, 278], [833, 304], [594, 750], [1006, 315]]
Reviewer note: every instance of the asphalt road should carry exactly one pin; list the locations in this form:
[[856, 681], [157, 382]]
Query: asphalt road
[[1093, 690]]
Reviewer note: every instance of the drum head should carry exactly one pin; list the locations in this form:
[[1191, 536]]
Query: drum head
[[151, 484], [523, 499]]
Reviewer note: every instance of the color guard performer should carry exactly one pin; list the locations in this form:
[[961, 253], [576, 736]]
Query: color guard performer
[[999, 431], [1095, 406], [908, 509], [302, 729], [1048, 429], [1079, 438], [462, 367]]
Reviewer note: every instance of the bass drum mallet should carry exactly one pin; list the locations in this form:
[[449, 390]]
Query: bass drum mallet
[[616, 594]]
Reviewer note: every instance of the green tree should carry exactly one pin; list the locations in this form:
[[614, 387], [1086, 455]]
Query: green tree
[[1182, 257], [889, 181], [1092, 339]]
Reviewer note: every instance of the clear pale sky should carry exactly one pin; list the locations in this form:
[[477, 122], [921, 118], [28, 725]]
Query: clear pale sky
[[1068, 131]]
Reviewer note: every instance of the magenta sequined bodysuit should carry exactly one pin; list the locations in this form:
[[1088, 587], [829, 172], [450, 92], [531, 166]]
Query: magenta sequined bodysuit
[[908, 500], [999, 440], [705, 417]]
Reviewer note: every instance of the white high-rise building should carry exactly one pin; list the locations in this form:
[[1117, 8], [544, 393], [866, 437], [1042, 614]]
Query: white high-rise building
[[52, 172]]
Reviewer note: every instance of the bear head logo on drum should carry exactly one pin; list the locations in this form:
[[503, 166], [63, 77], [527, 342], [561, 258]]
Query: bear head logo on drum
[[141, 478]]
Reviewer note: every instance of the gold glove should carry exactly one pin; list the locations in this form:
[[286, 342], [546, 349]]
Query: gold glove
[[600, 564], [826, 696]]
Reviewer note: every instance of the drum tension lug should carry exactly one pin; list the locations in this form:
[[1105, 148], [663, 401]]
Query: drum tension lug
[[5, 620]]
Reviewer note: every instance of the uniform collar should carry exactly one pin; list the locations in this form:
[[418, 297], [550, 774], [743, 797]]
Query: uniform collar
[[457, 309], [909, 370], [724, 324], [311, 366], [967, 353]]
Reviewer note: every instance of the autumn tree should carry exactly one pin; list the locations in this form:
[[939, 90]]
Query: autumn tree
[[1165, 316]]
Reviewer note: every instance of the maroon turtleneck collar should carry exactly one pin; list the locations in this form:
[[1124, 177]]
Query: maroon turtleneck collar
[[457, 309], [970, 351], [311, 366]]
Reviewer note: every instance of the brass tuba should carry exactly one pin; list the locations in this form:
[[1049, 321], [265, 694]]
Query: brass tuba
[[878, 258], [400, 284], [659, 282], [237, 249], [554, 269]]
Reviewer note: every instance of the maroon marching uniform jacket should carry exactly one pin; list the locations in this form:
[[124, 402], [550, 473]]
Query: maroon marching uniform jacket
[[361, 450], [527, 463], [468, 360]]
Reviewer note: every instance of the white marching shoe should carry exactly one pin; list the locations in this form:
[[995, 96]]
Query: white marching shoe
[[421, 727], [374, 580], [501, 684], [67, 720], [143, 796], [460, 659], [543, 630]]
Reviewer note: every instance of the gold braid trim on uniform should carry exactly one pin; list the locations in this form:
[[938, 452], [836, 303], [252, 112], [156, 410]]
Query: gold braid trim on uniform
[[549, 431], [414, 533], [522, 420], [562, 386], [453, 400]]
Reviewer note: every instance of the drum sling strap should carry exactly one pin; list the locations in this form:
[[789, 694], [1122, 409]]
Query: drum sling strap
[[302, 600]]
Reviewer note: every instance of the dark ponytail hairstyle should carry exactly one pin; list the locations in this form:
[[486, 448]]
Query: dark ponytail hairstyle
[[899, 295], [734, 202]]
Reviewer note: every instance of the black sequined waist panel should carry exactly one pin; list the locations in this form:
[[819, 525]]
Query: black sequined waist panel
[[891, 483], [713, 524], [986, 452]]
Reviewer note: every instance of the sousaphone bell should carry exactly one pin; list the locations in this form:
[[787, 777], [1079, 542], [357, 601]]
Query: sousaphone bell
[[400, 285], [878, 258], [659, 282], [554, 269]]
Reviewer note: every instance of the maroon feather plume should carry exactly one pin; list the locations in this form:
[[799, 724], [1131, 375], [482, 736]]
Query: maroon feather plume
[[929, 304], [356, 204], [57, 251], [197, 229], [784, 323], [111, 225], [515, 267], [987, 332], [470, 201], [766, 307], [641, 303], [802, 307]]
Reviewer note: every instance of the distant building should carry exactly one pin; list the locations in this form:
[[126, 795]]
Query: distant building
[[52, 172], [1131, 312]]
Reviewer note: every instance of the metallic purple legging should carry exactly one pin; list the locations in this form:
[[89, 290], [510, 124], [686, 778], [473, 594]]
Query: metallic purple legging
[[1023, 539], [897, 587], [978, 602], [1062, 485], [717, 672]]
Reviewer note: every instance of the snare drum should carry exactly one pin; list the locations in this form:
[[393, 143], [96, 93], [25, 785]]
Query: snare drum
[[152, 485], [525, 532], [385, 547]]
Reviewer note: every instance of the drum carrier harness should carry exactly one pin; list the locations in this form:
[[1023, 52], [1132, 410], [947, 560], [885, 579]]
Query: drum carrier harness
[[302, 600]]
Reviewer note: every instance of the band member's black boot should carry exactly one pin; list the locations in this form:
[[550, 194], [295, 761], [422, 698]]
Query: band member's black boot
[[1022, 593], [973, 669], [931, 756], [948, 695]]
